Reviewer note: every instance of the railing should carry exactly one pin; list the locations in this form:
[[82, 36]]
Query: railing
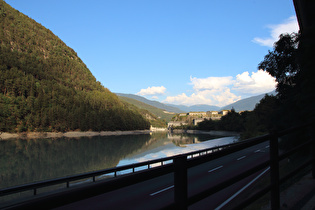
[[106, 173], [136, 173]]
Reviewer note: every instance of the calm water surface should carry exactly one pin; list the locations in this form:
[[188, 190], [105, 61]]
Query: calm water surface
[[25, 161]]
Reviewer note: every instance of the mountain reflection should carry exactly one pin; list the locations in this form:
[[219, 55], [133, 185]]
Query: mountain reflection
[[26, 161]]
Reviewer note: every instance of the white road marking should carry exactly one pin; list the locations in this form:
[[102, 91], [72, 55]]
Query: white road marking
[[241, 190], [267, 146], [240, 158], [257, 151], [152, 194], [215, 169]]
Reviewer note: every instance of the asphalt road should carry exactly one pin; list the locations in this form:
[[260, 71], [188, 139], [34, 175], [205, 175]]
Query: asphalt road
[[159, 192]]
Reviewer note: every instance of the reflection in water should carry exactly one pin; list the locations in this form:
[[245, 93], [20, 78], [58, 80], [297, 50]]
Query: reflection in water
[[171, 149], [26, 161]]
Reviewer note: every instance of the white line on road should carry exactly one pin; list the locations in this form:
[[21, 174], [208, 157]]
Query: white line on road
[[241, 190], [240, 158], [152, 194], [257, 151], [267, 146], [215, 169]]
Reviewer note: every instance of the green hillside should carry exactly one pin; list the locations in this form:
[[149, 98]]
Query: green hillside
[[159, 114], [153, 103], [45, 86]]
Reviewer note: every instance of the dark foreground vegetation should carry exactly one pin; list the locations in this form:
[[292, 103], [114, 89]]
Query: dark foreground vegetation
[[45, 86], [292, 64]]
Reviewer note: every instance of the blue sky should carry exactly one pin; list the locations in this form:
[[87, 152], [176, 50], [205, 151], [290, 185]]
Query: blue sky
[[173, 51]]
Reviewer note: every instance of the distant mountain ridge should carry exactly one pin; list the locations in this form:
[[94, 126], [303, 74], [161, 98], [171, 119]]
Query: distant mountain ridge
[[152, 103], [158, 114], [241, 105], [247, 103]]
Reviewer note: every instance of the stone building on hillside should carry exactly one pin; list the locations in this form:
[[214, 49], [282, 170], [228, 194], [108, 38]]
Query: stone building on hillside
[[173, 124], [224, 112], [201, 114]]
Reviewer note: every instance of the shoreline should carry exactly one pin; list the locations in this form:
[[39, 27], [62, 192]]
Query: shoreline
[[69, 134], [78, 134], [214, 133]]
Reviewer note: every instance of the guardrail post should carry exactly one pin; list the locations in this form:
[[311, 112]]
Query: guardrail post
[[180, 182], [312, 135], [274, 171]]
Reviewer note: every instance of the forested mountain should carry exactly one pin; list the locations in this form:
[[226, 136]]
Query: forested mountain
[[159, 114], [45, 86]]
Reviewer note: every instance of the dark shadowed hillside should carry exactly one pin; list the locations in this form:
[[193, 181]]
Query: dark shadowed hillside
[[45, 86]]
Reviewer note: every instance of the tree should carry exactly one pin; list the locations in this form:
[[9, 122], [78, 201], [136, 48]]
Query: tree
[[231, 122], [282, 63], [261, 120], [292, 64]]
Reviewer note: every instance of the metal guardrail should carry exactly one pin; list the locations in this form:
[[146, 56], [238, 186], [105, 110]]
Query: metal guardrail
[[111, 172], [178, 165]]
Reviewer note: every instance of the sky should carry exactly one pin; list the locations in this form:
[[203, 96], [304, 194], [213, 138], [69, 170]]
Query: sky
[[181, 52]]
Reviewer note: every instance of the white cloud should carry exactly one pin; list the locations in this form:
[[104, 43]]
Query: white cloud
[[210, 83], [188, 100], [221, 91], [217, 98], [258, 83], [290, 25], [211, 91], [152, 91]]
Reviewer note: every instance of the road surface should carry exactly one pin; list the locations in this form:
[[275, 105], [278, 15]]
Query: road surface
[[159, 192]]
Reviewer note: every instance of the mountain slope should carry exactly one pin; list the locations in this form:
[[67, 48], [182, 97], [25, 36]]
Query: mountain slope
[[152, 103], [161, 114], [247, 103], [45, 86]]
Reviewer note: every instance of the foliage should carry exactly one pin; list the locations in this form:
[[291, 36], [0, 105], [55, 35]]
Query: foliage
[[282, 64], [295, 79], [282, 111], [208, 125], [249, 124], [233, 121], [44, 85], [292, 64], [261, 119]]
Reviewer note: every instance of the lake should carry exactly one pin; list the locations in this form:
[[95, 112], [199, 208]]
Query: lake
[[29, 160]]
